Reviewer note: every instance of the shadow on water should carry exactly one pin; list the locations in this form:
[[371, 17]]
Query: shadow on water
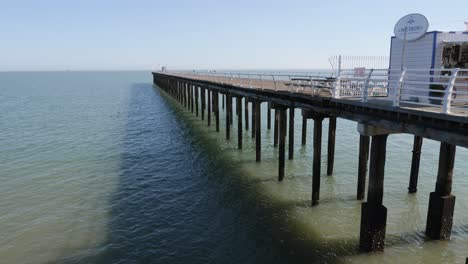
[[179, 200]]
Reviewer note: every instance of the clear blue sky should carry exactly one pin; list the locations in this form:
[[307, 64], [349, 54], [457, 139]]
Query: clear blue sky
[[203, 34]]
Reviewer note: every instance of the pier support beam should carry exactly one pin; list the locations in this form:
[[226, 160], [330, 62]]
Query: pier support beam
[[246, 106], [192, 98], [229, 98], [413, 183], [282, 143], [331, 145], [276, 127], [316, 170], [209, 107], [362, 165], [217, 110], [291, 134], [373, 213], [441, 201], [228, 117], [239, 122], [187, 95], [223, 100], [253, 118], [269, 116], [304, 131], [203, 104], [196, 99], [258, 128]]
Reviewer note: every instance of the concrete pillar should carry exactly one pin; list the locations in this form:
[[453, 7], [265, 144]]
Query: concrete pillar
[[275, 132], [291, 134], [269, 116], [209, 107], [413, 183], [258, 128], [203, 104], [316, 170], [196, 99], [246, 107], [304, 131], [239, 122], [373, 213], [230, 109], [441, 201], [362, 165], [191, 99], [253, 119], [282, 143], [228, 117], [217, 111], [331, 145]]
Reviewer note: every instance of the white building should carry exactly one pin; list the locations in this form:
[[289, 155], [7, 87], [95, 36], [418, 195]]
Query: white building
[[435, 50]]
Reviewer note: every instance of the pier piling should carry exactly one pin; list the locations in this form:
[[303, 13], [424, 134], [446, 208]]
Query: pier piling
[[239, 122], [253, 119], [441, 201], [362, 165], [316, 170], [275, 132], [196, 100], [203, 103], [304, 131], [269, 116], [413, 183], [331, 145], [258, 128], [209, 107], [291, 134], [373, 213], [246, 107], [282, 143], [217, 110], [228, 117], [229, 105]]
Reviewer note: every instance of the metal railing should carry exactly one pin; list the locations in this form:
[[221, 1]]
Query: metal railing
[[305, 82], [439, 90]]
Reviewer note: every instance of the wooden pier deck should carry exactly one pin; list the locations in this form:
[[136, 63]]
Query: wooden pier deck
[[376, 119]]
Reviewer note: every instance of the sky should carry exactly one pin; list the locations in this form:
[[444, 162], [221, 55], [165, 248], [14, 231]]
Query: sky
[[204, 34]]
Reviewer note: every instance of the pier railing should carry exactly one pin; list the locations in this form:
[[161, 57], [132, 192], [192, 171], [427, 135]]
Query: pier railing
[[440, 89], [437, 90]]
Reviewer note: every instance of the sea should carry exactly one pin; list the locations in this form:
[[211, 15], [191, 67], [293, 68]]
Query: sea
[[105, 167]]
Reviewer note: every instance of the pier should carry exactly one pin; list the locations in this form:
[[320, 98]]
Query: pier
[[382, 103]]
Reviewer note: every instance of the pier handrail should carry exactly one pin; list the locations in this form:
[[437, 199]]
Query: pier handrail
[[438, 90]]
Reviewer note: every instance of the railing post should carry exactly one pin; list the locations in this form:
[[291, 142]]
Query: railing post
[[396, 100], [449, 91], [274, 80], [337, 86], [365, 93]]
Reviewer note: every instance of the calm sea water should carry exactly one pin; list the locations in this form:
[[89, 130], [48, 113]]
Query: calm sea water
[[103, 167]]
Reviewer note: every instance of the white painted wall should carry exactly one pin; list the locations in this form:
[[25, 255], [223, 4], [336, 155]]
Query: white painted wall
[[418, 52]]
